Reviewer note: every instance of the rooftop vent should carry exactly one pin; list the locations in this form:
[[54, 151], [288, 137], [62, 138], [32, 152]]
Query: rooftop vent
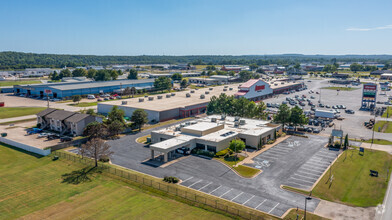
[[227, 134], [192, 91], [124, 102], [168, 95], [236, 124], [150, 98], [242, 122], [236, 118], [188, 95], [202, 96], [178, 128], [207, 92], [213, 119], [159, 97], [173, 94], [211, 88]]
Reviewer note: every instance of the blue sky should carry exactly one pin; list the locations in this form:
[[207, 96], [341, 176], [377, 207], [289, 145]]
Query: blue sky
[[196, 27]]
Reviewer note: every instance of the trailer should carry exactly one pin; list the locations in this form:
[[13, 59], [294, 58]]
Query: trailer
[[324, 114]]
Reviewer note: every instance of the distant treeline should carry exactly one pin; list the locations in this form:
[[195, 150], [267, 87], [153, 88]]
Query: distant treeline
[[18, 60]]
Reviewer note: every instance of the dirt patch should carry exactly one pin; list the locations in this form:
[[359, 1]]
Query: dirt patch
[[343, 212]]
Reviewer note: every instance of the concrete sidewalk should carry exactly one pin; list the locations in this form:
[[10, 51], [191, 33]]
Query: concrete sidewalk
[[386, 148], [26, 117]]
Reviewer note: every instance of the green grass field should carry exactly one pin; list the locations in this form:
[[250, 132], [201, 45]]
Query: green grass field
[[12, 83], [83, 104], [387, 112], [244, 171], [10, 112], [33, 187], [383, 126], [379, 141], [339, 87], [352, 183]]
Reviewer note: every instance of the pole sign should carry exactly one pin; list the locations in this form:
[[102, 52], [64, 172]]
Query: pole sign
[[48, 91]]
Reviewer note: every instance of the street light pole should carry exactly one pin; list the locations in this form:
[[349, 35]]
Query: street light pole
[[306, 199]]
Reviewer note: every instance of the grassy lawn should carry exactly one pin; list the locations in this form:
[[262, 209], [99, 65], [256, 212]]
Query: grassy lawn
[[292, 215], [143, 140], [10, 112], [379, 141], [35, 188], [244, 171], [83, 104], [339, 87], [11, 83], [383, 126], [387, 112], [352, 183]]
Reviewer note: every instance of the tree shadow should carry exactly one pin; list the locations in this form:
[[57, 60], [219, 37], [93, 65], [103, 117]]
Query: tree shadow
[[79, 176]]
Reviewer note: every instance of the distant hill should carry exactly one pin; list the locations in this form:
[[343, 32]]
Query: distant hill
[[18, 60]]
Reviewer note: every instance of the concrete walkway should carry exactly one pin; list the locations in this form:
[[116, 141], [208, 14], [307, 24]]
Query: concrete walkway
[[338, 211], [386, 148], [26, 117]]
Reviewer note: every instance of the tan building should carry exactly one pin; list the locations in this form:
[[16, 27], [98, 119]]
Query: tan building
[[212, 133]]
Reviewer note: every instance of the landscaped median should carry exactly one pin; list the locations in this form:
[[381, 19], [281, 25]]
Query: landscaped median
[[143, 140], [351, 182], [340, 88]]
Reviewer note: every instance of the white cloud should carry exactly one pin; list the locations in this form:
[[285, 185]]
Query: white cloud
[[389, 26]]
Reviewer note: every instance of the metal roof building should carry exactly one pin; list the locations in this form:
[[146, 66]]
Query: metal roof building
[[67, 89]]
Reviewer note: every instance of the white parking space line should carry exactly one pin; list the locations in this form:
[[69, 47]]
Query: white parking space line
[[326, 156], [280, 150], [299, 172], [312, 171], [302, 176], [225, 193], [236, 196], [316, 164], [187, 179], [268, 156], [318, 161], [215, 189], [205, 186], [275, 152], [261, 203], [273, 208], [315, 168], [248, 200], [195, 183], [301, 184], [306, 181]]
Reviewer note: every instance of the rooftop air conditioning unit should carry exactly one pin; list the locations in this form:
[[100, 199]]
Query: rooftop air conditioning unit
[[223, 117], [213, 119], [168, 95], [187, 123], [159, 97], [173, 94], [225, 90], [141, 99], [207, 92], [242, 122], [236, 118], [211, 88], [202, 96], [188, 95], [150, 98], [192, 91], [230, 89], [124, 102], [236, 124]]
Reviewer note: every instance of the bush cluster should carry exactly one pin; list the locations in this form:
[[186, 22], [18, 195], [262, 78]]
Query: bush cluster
[[170, 179], [203, 152], [104, 158], [222, 152]]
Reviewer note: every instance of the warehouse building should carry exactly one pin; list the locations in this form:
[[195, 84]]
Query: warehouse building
[[212, 133], [171, 105], [257, 89], [67, 89]]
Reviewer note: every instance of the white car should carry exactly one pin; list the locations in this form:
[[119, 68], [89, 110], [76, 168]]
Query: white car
[[91, 97], [41, 135]]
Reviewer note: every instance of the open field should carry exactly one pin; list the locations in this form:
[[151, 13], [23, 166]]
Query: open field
[[383, 126], [352, 183], [83, 104], [340, 88], [10, 112], [35, 188], [12, 83]]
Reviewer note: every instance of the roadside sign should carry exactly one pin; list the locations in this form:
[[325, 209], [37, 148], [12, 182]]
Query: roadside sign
[[48, 91], [361, 149]]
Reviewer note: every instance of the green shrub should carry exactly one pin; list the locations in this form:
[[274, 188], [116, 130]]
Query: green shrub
[[270, 141], [170, 179], [222, 152], [104, 158]]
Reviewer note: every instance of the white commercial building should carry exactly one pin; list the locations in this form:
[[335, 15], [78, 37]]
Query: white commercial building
[[212, 133]]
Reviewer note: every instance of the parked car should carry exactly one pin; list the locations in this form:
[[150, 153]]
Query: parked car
[[91, 97], [327, 106], [99, 100], [349, 111], [65, 139], [52, 137], [316, 130], [41, 135], [33, 131]]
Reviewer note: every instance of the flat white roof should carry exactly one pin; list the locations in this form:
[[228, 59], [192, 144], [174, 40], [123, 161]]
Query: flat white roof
[[202, 126], [172, 143]]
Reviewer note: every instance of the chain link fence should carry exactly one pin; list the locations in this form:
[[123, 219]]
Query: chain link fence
[[174, 189]]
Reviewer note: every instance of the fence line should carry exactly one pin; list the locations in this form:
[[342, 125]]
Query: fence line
[[173, 189]]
